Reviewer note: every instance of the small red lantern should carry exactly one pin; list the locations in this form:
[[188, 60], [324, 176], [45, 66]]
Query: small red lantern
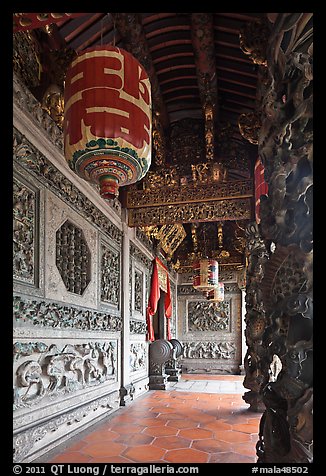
[[216, 294], [107, 124], [205, 277]]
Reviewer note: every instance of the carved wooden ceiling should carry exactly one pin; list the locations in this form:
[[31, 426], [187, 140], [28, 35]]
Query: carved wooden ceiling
[[203, 79]]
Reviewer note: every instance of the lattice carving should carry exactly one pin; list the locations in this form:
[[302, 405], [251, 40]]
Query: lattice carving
[[73, 257]]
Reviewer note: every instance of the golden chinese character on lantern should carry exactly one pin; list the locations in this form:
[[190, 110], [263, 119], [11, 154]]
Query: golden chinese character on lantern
[[107, 123], [216, 294], [205, 275]]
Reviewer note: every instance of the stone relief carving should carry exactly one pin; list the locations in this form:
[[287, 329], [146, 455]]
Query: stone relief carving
[[57, 372], [25, 441], [24, 223], [39, 166], [110, 275], [208, 350], [56, 315], [137, 327], [138, 291], [138, 356], [73, 257], [208, 316]]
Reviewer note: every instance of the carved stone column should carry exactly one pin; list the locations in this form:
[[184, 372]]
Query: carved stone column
[[255, 319], [285, 147], [127, 389]]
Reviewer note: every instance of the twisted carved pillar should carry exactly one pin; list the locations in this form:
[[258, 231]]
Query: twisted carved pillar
[[285, 147], [255, 376]]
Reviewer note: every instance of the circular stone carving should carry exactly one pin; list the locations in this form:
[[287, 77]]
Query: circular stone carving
[[160, 351], [177, 346]]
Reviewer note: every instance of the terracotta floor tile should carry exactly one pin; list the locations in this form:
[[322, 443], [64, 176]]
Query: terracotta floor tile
[[186, 456], [196, 433], [231, 457], [103, 449], [135, 439], [126, 429], [71, 457], [144, 453], [248, 449], [173, 427], [161, 431], [100, 436], [247, 427], [211, 445], [182, 423], [111, 459], [232, 436], [171, 442]]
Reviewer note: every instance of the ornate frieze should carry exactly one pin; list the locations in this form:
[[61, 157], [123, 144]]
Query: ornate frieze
[[60, 316], [73, 257], [189, 193], [208, 350], [233, 209], [144, 239], [110, 275], [208, 316], [40, 167], [25, 441], [56, 372], [137, 327], [138, 356], [24, 227]]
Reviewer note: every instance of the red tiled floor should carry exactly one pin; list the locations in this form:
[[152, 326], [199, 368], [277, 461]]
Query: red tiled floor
[[171, 427]]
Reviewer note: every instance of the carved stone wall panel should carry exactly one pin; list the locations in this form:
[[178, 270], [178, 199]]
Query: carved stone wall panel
[[226, 276], [110, 275], [208, 316], [210, 332], [25, 215], [140, 270], [56, 214], [138, 358], [28, 234], [35, 440], [48, 371]]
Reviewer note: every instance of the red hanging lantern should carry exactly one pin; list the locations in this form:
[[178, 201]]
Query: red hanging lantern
[[216, 294], [107, 124], [205, 277]]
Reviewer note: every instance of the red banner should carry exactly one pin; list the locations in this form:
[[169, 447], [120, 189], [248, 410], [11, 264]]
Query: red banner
[[160, 280]]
